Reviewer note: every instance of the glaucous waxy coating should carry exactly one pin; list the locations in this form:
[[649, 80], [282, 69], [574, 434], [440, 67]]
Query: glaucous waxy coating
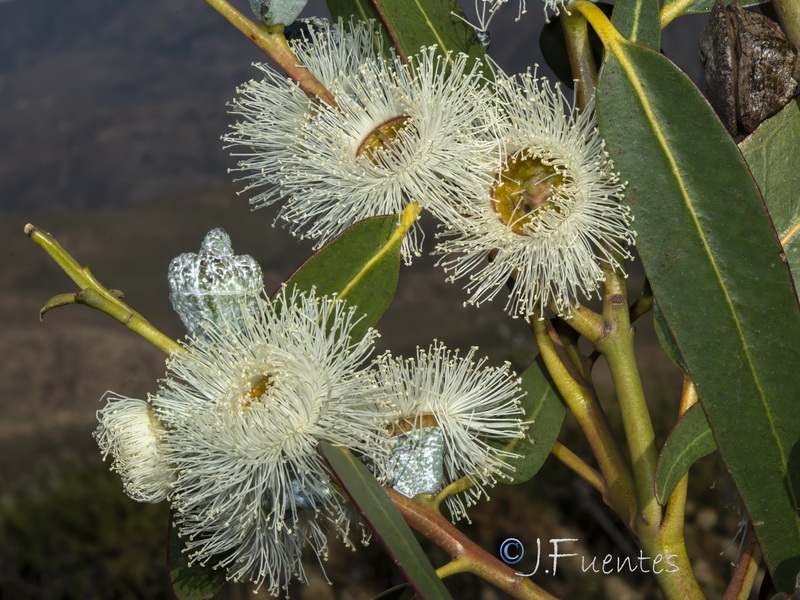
[[214, 284], [416, 466], [278, 12]]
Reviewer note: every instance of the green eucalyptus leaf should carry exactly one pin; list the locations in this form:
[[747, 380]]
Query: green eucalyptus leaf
[[190, 582], [359, 10], [414, 24], [385, 520], [544, 407], [638, 21], [694, 7], [690, 440], [361, 266], [772, 154], [713, 261], [665, 338]]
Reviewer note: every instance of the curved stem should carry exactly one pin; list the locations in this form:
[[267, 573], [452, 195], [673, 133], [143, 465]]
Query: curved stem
[[673, 10], [467, 555], [746, 568], [588, 323], [581, 61], [587, 411], [459, 485], [584, 471], [94, 294], [272, 41], [611, 38], [568, 338], [643, 303]]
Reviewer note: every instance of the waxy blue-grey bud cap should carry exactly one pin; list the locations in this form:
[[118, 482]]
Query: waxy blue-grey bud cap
[[416, 465], [214, 284], [278, 12]]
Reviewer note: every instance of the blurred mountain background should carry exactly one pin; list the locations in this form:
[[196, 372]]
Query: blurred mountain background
[[110, 119]]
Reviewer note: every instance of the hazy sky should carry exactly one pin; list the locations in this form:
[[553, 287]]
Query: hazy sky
[[111, 104]]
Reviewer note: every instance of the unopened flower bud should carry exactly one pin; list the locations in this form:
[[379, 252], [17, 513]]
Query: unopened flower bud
[[213, 285], [416, 466], [278, 12]]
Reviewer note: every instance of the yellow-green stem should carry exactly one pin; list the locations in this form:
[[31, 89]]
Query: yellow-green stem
[[671, 538], [584, 471], [272, 41], [458, 486], [588, 323], [569, 341], [675, 510], [673, 10], [94, 294], [466, 554], [643, 303], [789, 15], [454, 567], [587, 411], [581, 61], [618, 349]]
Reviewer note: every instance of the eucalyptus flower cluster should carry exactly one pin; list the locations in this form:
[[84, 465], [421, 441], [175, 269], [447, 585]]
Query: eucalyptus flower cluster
[[399, 133], [230, 438], [517, 176]]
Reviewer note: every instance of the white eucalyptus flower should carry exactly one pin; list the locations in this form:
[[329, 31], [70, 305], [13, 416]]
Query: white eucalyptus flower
[[271, 110], [469, 401], [553, 215], [129, 432], [244, 408], [401, 133]]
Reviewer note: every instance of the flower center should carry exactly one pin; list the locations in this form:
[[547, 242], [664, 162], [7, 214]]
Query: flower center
[[258, 387], [523, 188], [382, 140]]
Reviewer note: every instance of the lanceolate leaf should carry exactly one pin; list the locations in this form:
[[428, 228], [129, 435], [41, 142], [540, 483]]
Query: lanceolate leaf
[[544, 407], [637, 21], [772, 153], [190, 582], [689, 440], [417, 23], [361, 266], [385, 521], [665, 338], [713, 262]]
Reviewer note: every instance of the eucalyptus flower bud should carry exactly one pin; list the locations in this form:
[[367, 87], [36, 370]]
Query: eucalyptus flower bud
[[213, 285], [278, 12], [416, 465]]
